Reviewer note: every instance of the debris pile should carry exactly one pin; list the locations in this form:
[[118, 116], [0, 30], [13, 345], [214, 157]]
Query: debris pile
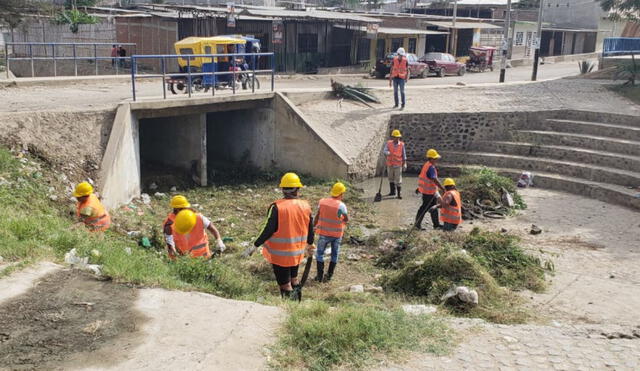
[[357, 93], [485, 193]]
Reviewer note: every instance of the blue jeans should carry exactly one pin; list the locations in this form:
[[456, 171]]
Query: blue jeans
[[398, 83], [323, 241]]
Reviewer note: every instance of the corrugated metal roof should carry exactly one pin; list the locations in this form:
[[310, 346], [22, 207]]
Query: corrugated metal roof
[[462, 25], [395, 31], [486, 2], [314, 14]]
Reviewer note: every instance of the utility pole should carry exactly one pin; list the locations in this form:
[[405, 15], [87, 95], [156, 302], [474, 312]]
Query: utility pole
[[538, 38], [454, 33], [505, 42]]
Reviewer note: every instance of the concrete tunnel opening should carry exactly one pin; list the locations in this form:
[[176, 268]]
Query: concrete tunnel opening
[[205, 148]]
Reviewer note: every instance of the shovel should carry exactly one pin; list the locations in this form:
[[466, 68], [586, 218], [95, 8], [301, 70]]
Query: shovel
[[296, 294], [378, 196]]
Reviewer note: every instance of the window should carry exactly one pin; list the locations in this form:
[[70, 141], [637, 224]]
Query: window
[[307, 43], [364, 48], [412, 45], [395, 44], [433, 56], [519, 38], [185, 51]]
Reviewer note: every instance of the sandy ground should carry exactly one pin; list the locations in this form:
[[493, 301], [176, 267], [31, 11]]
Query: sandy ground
[[591, 305], [124, 328]]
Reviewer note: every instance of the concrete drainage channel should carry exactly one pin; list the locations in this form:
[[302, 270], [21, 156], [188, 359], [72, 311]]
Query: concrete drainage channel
[[192, 135]]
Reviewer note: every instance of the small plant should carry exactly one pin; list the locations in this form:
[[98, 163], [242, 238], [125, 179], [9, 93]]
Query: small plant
[[628, 71], [486, 184], [585, 67]]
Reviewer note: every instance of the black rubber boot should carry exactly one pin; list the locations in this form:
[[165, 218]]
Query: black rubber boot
[[399, 188], [392, 189], [320, 274], [296, 294], [285, 294], [332, 267]]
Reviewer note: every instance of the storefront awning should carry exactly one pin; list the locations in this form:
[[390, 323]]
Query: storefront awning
[[462, 25]]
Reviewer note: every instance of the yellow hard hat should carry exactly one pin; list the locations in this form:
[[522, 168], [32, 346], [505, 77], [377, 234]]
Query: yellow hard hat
[[179, 202], [396, 134], [449, 182], [185, 221], [432, 153], [290, 180], [83, 189], [338, 189]]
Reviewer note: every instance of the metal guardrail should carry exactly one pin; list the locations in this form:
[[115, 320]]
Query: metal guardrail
[[189, 74], [57, 57], [620, 46]]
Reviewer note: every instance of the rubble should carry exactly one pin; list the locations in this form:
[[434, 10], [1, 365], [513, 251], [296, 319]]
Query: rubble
[[356, 289], [535, 229], [462, 293]]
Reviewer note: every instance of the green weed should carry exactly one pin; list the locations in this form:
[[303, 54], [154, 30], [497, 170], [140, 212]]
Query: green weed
[[320, 337], [485, 184]]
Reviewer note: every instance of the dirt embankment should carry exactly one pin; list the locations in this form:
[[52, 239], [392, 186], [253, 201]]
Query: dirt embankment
[[67, 312], [71, 142]]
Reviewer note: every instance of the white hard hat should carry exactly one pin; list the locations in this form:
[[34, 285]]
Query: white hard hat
[[401, 51]]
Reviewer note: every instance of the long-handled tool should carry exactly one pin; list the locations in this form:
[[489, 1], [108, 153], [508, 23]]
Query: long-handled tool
[[378, 196], [402, 244], [296, 294]]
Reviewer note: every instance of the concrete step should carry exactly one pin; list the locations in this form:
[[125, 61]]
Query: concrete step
[[600, 191], [562, 153], [599, 143], [586, 127], [565, 168]]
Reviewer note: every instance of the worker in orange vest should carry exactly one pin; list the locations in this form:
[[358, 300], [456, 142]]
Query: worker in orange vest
[[330, 222], [428, 186], [287, 235], [396, 162], [399, 75], [90, 210], [450, 205], [187, 235]]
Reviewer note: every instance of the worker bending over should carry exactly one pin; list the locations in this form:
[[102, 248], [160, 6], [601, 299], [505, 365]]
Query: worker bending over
[[287, 234], [330, 222], [396, 162], [90, 210], [428, 185], [451, 206], [185, 231]]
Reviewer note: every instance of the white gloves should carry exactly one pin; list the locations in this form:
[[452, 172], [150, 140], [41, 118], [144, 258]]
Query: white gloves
[[310, 250], [220, 245], [404, 167]]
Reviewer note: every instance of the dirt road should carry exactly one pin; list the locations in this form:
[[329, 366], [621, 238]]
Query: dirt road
[[63, 319], [589, 314], [93, 95]]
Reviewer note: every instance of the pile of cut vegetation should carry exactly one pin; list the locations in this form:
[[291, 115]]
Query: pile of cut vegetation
[[484, 192], [491, 263]]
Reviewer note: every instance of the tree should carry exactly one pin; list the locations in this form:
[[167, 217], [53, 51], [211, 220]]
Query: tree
[[11, 12], [622, 9], [74, 18]]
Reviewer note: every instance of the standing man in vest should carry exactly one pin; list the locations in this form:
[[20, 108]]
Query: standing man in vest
[[330, 222], [451, 206], [90, 210], [287, 235], [399, 75], [396, 162], [428, 186], [187, 235]]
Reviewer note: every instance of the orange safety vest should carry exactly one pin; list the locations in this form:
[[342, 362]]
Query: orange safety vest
[[426, 185], [451, 214], [286, 246], [399, 69], [195, 243], [101, 221], [395, 153], [329, 224]]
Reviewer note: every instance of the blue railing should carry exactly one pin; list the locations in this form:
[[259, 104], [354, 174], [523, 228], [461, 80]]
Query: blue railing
[[620, 46], [13, 48], [189, 75]]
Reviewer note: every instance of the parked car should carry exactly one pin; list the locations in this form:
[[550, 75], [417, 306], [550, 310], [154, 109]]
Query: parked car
[[416, 68], [442, 64]]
